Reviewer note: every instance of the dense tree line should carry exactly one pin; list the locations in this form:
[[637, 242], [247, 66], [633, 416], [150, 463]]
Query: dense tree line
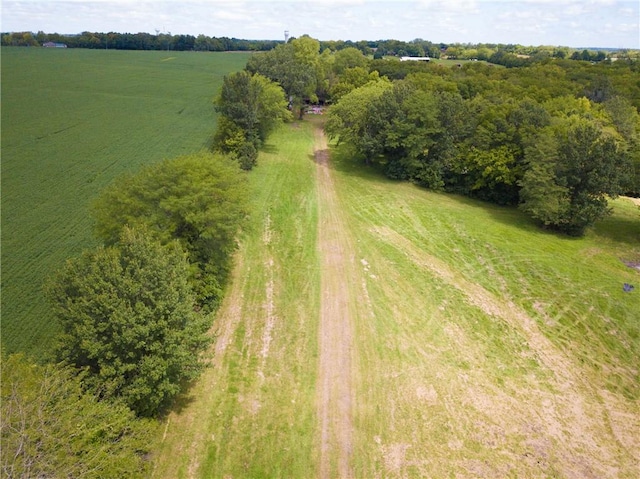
[[278, 84], [138, 41], [473, 129], [133, 311], [134, 320], [511, 55], [197, 200], [556, 138]]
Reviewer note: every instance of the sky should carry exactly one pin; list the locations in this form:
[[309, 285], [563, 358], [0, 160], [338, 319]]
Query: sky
[[572, 23]]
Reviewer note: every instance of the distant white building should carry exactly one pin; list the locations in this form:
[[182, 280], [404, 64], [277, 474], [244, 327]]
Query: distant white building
[[415, 59]]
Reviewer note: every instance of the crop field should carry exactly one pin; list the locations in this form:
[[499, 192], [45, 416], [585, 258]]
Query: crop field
[[72, 120], [375, 329]]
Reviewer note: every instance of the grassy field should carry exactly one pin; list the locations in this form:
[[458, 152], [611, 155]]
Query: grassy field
[[252, 414], [477, 344], [72, 120]]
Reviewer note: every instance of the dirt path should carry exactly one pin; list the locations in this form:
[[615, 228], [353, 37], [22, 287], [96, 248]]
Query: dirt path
[[336, 326]]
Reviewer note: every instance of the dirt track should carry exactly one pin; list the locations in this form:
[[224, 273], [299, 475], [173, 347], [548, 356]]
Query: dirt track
[[336, 326]]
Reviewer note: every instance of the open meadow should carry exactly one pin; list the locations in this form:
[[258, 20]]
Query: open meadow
[[375, 329], [72, 120]]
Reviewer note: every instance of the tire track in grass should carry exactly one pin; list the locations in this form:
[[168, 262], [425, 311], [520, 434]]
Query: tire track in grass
[[594, 425], [334, 384]]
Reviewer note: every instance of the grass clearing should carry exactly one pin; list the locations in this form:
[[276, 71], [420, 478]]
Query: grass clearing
[[72, 120], [492, 348], [482, 346]]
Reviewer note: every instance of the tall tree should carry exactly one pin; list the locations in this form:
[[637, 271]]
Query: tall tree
[[251, 107], [293, 65], [127, 318], [197, 199], [350, 120], [571, 176], [349, 58]]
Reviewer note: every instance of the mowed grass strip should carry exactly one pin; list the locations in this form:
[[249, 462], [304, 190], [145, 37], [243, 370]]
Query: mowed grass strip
[[252, 414], [487, 347], [73, 120], [472, 356]]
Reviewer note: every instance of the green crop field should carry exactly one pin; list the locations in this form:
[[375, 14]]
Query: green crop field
[[458, 339], [72, 120]]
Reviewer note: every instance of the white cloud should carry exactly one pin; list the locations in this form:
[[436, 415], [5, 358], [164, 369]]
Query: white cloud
[[531, 22]]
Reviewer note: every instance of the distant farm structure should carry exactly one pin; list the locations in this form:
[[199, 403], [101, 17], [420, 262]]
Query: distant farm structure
[[54, 45], [415, 59]]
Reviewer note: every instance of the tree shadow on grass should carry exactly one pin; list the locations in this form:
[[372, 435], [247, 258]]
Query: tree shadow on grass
[[344, 160], [181, 402], [620, 227], [270, 148]]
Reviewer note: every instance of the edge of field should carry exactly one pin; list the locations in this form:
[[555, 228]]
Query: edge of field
[[252, 414]]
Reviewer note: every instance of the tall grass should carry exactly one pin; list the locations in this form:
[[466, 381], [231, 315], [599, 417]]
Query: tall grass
[[72, 120]]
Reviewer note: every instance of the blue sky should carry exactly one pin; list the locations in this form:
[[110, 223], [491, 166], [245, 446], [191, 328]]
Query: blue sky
[[573, 23]]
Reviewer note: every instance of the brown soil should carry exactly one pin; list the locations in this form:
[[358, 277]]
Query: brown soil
[[336, 327]]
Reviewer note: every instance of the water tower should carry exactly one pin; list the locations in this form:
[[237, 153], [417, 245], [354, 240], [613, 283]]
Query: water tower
[[286, 36]]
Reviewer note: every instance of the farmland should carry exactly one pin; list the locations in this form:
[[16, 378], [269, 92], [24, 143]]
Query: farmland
[[375, 329], [72, 120], [371, 328]]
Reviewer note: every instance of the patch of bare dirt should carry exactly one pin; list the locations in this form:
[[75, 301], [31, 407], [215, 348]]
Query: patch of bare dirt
[[336, 327], [635, 201], [633, 264]]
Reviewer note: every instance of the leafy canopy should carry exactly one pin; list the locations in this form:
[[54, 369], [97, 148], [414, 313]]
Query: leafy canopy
[[50, 428], [571, 174], [251, 106], [127, 317], [198, 200]]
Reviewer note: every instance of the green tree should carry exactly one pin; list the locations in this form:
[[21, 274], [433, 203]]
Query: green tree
[[49, 427], [542, 197], [572, 173], [350, 119], [349, 58], [127, 318], [199, 200], [350, 79], [294, 66], [409, 133], [252, 102], [251, 106]]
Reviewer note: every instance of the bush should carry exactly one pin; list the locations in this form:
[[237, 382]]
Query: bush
[[199, 200]]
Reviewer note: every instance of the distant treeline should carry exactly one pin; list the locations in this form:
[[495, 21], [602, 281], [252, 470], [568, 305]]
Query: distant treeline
[[510, 55], [138, 41]]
